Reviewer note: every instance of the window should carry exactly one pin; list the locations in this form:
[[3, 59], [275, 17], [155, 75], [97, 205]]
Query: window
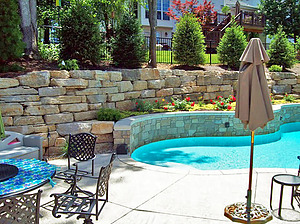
[[162, 8], [159, 9], [166, 6]]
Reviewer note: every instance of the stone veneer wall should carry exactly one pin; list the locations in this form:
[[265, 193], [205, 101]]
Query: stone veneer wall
[[145, 129], [61, 102]]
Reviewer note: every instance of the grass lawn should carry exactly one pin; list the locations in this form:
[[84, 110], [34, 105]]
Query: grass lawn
[[165, 57]]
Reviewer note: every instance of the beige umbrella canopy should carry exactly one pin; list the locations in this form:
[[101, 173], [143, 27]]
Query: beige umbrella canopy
[[254, 109], [253, 106]]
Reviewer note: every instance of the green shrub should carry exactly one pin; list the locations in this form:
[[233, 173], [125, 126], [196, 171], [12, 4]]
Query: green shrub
[[289, 98], [188, 42], [10, 68], [80, 35], [275, 68], [11, 44], [108, 114], [143, 106], [223, 103], [281, 51], [232, 45], [177, 104], [49, 52], [68, 65], [129, 44], [298, 48]]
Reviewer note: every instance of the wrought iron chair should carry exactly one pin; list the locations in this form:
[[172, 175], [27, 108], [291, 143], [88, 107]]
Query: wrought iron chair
[[82, 148], [82, 202], [296, 191], [21, 208]]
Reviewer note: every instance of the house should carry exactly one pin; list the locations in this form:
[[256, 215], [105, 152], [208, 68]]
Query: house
[[243, 10]]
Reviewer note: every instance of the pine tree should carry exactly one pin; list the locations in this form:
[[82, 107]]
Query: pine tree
[[129, 44], [281, 50], [188, 42], [232, 45], [11, 44], [80, 35]]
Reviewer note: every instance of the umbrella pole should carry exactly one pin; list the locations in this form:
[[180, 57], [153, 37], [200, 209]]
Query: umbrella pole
[[249, 192]]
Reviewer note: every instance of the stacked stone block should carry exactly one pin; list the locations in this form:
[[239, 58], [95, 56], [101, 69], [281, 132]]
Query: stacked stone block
[[62, 102]]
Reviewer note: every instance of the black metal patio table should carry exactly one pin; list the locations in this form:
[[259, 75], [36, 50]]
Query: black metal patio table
[[27, 175], [284, 180]]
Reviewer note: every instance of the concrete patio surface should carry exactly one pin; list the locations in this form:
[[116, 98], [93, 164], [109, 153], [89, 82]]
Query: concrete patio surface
[[146, 194]]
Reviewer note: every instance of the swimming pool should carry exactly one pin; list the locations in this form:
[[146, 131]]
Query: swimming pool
[[277, 150]]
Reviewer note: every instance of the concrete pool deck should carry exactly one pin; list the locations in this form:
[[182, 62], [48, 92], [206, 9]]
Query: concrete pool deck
[[146, 194]]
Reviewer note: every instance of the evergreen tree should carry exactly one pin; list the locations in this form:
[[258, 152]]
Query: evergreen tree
[[129, 45], [281, 50], [188, 42], [11, 44], [80, 34], [232, 45]]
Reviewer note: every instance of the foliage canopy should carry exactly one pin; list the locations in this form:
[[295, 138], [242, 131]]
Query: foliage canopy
[[188, 42], [281, 50], [285, 13], [80, 35], [129, 45], [11, 44], [232, 45]]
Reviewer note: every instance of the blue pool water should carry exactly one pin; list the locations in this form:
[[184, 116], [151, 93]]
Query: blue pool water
[[277, 150]]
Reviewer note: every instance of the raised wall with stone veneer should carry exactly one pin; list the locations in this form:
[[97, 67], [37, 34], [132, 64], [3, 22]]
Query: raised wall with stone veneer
[[141, 130], [61, 102]]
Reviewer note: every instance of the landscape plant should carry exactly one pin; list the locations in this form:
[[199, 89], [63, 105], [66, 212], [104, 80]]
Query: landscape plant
[[177, 104], [188, 42], [289, 98], [11, 44], [232, 45], [281, 50], [129, 45], [275, 68], [49, 52], [80, 34], [222, 103], [68, 65], [108, 114], [144, 105]]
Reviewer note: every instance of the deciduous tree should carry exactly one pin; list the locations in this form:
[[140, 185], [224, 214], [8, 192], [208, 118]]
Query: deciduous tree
[[204, 13], [282, 12]]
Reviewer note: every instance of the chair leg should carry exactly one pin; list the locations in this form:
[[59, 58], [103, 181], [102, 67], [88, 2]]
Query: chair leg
[[88, 220], [93, 165]]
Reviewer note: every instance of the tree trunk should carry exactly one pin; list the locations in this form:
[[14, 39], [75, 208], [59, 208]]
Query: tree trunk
[[153, 23], [29, 26]]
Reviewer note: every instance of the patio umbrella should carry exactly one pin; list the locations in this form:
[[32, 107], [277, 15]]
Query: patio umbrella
[[2, 131], [253, 104]]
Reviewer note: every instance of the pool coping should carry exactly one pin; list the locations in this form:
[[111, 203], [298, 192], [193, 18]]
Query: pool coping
[[126, 159]]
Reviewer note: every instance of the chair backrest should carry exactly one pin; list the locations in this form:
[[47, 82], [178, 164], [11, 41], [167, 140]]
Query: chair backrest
[[102, 185], [82, 146], [21, 208], [299, 166]]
